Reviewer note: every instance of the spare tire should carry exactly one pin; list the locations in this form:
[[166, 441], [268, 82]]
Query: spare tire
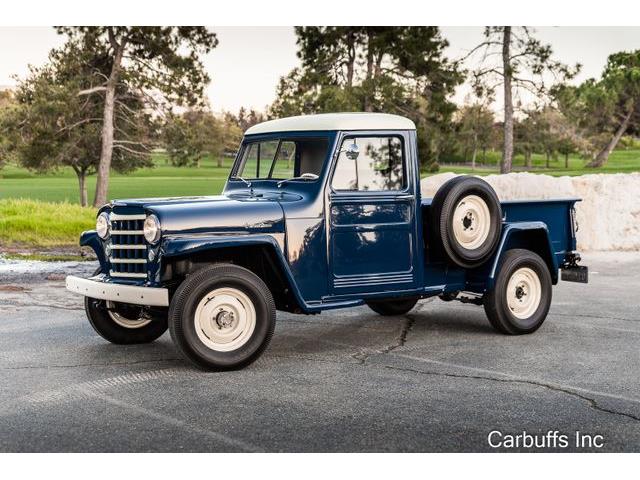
[[466, 221]]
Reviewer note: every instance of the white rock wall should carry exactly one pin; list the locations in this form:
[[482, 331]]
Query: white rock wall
[[609, 214]]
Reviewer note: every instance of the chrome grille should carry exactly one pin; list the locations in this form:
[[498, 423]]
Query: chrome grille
[[128, 250]]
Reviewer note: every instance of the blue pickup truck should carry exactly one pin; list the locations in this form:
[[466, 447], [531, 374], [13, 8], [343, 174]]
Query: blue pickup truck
[[319, 212]]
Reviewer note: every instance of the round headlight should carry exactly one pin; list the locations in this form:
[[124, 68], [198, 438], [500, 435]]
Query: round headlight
[[102, 225], [152, 229]]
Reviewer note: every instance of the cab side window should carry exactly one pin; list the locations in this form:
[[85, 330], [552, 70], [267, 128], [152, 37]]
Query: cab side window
[[379, 165]]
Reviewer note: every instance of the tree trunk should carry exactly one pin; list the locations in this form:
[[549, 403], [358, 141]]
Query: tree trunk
[[220, 164], [102, 181], [507, 150], [603, 156], [566, 160], [351, 60], [377, 71], [475, 151], [548, 157], [527, 159], [368, 107], [82, 183]]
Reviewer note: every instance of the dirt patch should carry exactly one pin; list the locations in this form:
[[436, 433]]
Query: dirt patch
[[55, 277], [61, 253], [13, 288]]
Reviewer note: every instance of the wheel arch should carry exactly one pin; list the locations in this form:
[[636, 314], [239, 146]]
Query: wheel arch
[[532, 236], [262, 255]]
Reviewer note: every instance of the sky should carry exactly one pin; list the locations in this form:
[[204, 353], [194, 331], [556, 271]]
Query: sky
[[249, 61]]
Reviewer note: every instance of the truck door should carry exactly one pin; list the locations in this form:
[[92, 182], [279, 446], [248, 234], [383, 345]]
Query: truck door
[[371, 216]]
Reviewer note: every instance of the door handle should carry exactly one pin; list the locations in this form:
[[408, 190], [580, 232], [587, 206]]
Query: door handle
[[406, 196]]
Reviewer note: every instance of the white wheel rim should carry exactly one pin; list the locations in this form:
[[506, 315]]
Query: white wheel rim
[[225, 319], [471, 222], [524, 293], [124, 321]]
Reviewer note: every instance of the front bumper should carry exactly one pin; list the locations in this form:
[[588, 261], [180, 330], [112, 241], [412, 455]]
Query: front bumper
[[95, 287]]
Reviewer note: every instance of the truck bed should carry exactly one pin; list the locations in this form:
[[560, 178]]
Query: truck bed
[[555, 214]]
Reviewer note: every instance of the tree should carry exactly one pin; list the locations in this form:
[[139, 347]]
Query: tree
[[191, 136], [245, 118], [547, 130], [607, 108], [475, 123], [52, 126], [7, 105], [160, 64], [524, 61], [399, 70]]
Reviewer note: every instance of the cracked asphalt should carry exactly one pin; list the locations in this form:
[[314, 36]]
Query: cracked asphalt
[[437, 379]]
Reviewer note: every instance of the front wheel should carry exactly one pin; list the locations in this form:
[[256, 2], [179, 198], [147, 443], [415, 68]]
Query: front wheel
[[392, 307], [222, 317], [124, 324], [520, 299]]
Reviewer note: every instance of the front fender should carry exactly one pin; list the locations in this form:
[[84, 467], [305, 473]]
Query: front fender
[[91, 239], [532, 236], [185, 246], [174, 246]]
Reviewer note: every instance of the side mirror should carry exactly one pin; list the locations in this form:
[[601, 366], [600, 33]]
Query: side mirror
[[352, 151]]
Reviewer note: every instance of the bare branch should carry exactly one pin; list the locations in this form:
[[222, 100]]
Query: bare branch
[[89, 91], [486, 44], [129, 142], [130, 150], [112, 38], [77, 124]]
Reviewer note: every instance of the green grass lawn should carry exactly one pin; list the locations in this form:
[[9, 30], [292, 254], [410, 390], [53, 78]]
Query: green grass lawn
[[620, 161], [35, 222], [161, 181], [166, 180]]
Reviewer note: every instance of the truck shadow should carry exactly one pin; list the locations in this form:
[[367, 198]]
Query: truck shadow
[[455, 321]]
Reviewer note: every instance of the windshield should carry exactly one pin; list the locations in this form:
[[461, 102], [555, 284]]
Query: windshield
[[280, 159]]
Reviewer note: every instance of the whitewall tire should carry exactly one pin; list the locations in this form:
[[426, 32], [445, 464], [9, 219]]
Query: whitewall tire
[[520, 299], [222, 317], [125, 324], [465, 221]]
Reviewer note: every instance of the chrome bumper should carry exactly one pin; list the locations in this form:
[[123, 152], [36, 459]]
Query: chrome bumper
[[95, 288]]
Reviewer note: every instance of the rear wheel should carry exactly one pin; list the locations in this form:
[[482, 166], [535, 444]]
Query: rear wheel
[[520, 299], [392, 307], [222, 317]]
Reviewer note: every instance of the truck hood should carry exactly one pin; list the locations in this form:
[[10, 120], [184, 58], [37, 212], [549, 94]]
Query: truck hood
[[210, 214]]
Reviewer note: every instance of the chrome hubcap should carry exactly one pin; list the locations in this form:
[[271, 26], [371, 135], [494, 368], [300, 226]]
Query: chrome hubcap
[[524, 293], [471, 222], [225, 319]]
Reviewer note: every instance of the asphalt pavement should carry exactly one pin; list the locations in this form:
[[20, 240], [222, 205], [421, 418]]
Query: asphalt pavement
[[437, 379]]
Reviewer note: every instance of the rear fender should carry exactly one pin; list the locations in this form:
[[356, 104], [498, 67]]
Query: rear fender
[[533, 236]]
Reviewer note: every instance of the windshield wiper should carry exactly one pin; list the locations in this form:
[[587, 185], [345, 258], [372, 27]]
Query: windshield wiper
[[309, 177], [237, 177]]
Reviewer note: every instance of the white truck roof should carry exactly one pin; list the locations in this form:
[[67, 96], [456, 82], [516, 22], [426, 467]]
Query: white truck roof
[[334, 121]]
